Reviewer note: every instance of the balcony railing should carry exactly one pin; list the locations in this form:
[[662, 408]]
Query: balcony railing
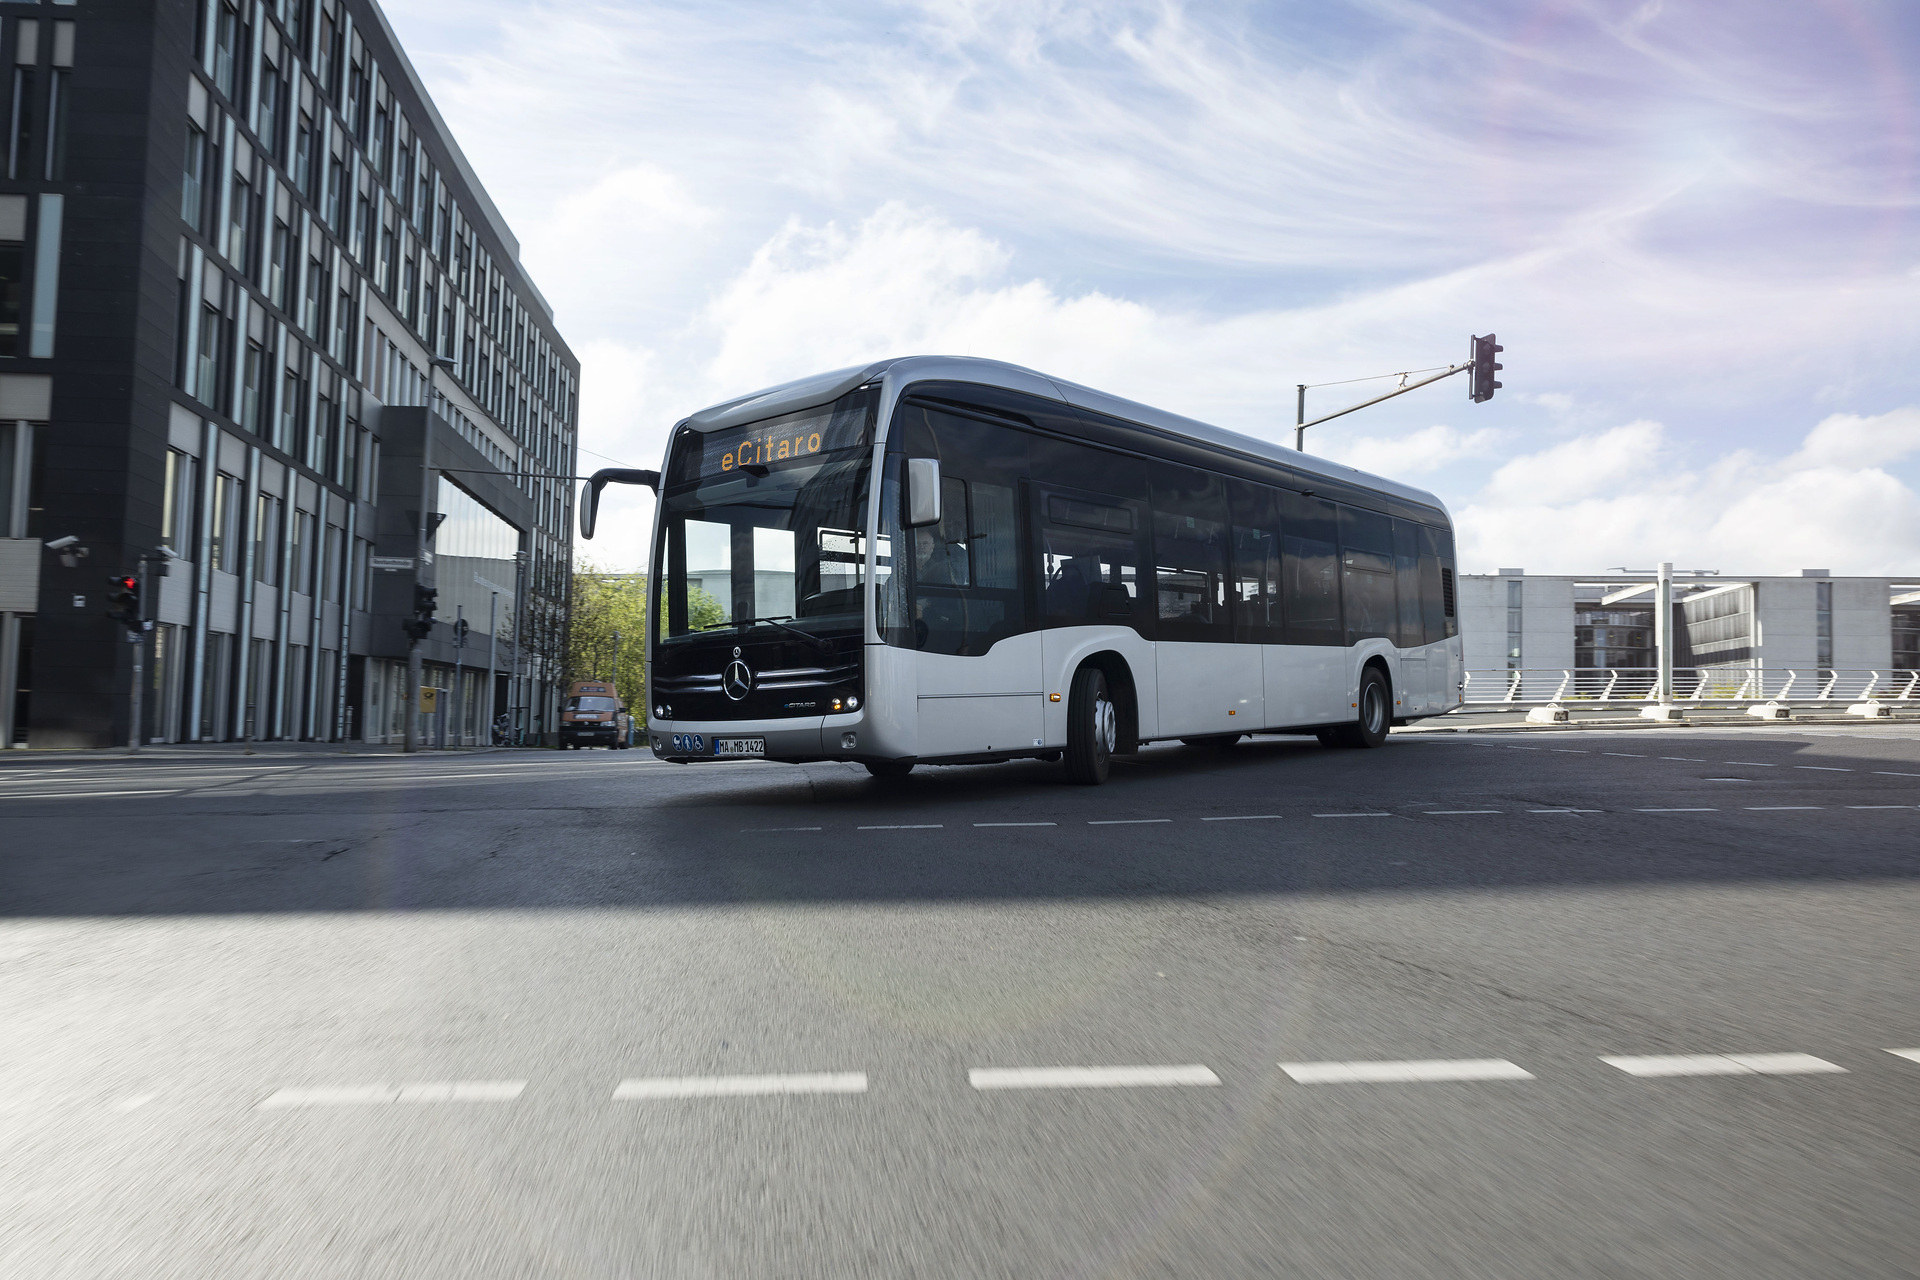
[[1692, 687]]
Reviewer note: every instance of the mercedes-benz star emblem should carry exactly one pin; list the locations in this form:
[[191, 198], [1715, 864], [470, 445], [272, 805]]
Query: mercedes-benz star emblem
[[737, 680]]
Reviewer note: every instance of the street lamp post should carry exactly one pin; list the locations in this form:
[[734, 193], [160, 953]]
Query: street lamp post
[[411, 741]]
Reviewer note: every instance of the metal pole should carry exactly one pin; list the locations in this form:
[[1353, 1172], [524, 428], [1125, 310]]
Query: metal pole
[[414, 674], [513, 679], [1300, 419], [459, 667], [139, 639], [493, 657], [1663, 628]]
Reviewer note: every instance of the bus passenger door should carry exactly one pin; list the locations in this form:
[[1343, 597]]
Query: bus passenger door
[[1413, 690], [1309, 674], [1207, 683]]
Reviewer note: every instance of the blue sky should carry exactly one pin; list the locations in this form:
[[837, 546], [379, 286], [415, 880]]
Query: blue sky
[[1695, 227]]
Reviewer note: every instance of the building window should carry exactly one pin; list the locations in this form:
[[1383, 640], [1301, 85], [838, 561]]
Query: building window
[[1823, 625], [13, 268], [179, 502], [26, 53], [300, 561], [57, 108], [270, 91], [266, 539], [193, 184], [1514, 615], [253, 377], [278, 254], [240, 229], [225, 550], [226, 44], [302, 165]]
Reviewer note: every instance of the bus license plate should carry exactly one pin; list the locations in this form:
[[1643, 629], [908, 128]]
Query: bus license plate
[[739, 746]]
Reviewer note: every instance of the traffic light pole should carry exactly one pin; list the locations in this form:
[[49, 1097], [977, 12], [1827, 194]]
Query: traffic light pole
[[136, 700], [1482, 364], [411, 742], [1300, 428]]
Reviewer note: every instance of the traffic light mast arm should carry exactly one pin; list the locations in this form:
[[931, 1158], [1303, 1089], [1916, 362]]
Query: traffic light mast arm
[[1300, 428]]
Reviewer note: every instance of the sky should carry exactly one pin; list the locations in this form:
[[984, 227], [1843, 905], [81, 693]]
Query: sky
[[1694, 226]]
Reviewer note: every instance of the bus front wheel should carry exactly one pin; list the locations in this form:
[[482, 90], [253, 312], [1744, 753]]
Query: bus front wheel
[[889, 768], [1093, 728]]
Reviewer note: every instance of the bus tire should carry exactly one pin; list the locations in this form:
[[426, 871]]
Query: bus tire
[[889, 768], [1372, 718], [1093, 727]]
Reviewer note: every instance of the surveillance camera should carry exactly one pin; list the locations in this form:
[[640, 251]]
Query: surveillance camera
[[61, 544], [168, 552]]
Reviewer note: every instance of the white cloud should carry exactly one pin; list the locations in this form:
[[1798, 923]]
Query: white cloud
[[1416, 453]]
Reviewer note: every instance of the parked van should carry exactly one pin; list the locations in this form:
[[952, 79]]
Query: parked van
[[593, 717]]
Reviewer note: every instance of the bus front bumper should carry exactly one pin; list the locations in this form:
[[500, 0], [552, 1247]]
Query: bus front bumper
[[791, 740]]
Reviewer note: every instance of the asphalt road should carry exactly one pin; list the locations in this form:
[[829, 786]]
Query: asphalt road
[[1609, 1004]]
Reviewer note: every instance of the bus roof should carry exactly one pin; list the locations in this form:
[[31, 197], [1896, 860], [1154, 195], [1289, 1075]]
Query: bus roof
[[821, 388]]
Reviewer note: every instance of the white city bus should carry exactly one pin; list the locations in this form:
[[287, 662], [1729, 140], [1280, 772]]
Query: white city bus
[[942, 561]]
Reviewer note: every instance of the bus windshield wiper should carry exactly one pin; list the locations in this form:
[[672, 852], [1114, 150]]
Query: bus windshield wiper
[[779, 622]]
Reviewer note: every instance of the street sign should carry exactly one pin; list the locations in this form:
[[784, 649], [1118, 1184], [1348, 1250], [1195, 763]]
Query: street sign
[[392, 562]]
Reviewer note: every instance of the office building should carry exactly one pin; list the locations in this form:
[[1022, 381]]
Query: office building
[[258, 312]]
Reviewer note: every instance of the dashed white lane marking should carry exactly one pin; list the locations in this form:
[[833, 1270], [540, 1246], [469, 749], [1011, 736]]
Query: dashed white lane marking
[[1685, 759], [1676, 811], [1125, 822], [1444, 813], [1781, 808], [82, 795], [1569, 751], [1888, 773], [1823, 768], [1414, 1071], [905, 826], [1727, 779], [1725, 1064], [1911, 1055], [1245, 817], [1623, 755], [739, 1086], [379, 1094], [1018, 824], [1882, 806], [745, 831], [1566, 811], [1088, 1077], [1353, 815], [1751, 764]]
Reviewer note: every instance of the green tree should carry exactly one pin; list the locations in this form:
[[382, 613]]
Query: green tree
[[606, 604]]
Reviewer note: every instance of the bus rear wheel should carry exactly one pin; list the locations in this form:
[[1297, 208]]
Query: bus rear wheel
[[1093, 728], [1372, 717]]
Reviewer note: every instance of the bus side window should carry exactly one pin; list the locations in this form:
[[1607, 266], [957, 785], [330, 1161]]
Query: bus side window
[[1310, 569], [1089, 559], [1433, 594], [1255, 592], [1366, 577], [1190, 553], [1411, 633]]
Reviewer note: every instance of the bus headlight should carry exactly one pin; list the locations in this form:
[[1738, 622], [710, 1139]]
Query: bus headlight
[[663, 712], [853, 702]]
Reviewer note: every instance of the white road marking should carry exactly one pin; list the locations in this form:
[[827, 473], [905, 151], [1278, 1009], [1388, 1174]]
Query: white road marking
[[134, 1103], [1245, 817], [1088, 1077], [1676, 811], [746, 831], [1353, 815], [908, 826], [1569, 751], [1439, 813], [1886, 773], [1016, 824], [1526, 748], [1751, 764], [1125, 822], [1727, 779], [380, 1094], [1624, 755], [1882, 806], [1725, 1064], [1912, 1055], [739, 1086], [1685, 759], [1405, 1072], [71, 795], [1566, 811], [1823, 768], [1781, 808]]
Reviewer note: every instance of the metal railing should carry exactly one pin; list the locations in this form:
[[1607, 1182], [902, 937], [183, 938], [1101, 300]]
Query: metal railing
[[1695, 687]]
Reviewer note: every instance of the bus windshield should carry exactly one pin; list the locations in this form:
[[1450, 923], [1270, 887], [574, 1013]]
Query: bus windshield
[[765, 521]]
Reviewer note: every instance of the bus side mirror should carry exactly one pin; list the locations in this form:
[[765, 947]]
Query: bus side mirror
[[590, 495], [923, 491]]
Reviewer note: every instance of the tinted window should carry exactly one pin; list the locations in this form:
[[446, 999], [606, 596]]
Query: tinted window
[[1310, 569], [1411, 631], [1253, 592], [1433, 610], [1191, 554], [1089, 573], [959, 590], [1366, 581]]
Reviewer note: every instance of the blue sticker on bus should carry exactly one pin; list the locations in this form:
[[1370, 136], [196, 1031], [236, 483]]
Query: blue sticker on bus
[[689, 742]]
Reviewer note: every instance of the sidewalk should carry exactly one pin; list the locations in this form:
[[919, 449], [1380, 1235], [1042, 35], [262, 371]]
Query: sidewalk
[[240, 750]]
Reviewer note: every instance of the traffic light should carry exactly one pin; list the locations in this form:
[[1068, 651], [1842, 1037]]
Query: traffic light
[[425, 600], [460, 632], [417, 628], [1484, 349], [125, 601]]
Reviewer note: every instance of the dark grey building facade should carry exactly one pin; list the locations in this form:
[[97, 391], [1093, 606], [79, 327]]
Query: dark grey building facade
[[256, 310]]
